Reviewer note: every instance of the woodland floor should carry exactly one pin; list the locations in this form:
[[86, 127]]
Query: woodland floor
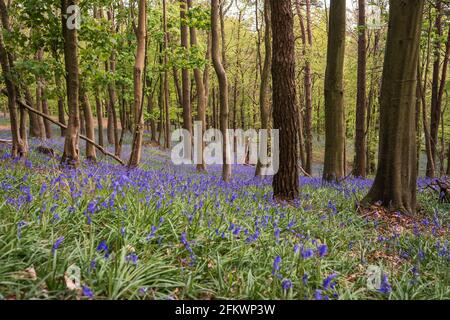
[[166, 232]]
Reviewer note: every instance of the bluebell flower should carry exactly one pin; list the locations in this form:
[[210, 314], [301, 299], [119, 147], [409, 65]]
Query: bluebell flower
[[87, 292], [308, 253], [286, 284], [322, 250], [102, 247], [385, 287], [328, 282], [276, 265], [57, 244], [133, 258]]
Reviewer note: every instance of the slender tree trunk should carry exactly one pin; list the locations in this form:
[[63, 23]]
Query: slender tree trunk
[[139, 73], [448, 161], [201, 98], [396, 179], [99, 111], [34, 124], [89, 123], [285, 108], [334, 167], [265, 76], [18, 148], [61, 117], [166, 82], [71, 155], [43, 98], [185, 77], [111, 67], [223, 89], [435, 103], [359, 169], [40, 120]]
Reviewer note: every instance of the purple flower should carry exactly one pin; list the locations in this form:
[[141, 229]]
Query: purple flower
[[102, 247], [322, 250], [57, 244], [276, 265], [133, 258], [87, 292], [385, 287], [286, 284], [308, 253], [328, 282], [305, 279]]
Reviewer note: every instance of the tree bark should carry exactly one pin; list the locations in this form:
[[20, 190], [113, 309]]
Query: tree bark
[[285, 108], [71, 155], [359, 169], [34, 124], [166, 93], [99, 111], [61, 117], [201, 97], [185, 77], [334, 167], [435, 103], [395, 182], [89, 123], [223, 88], [141, 34], [265, 76]]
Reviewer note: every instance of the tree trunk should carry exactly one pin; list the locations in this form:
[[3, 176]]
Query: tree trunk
[[334, 166], [201, 99], [139, 74], [111, 67], [223, 88], [19, 145], [396, 178], [34, 124], [89, 123], [38, 105], [359, 169], [435, 103], [285, 108], [448, 161], [71, 155], [166, 93], [99, 111], [43, 98], [61, 117], [265, 76], [185, 77]]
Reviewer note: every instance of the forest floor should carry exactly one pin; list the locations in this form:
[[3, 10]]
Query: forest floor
[[167, 232]]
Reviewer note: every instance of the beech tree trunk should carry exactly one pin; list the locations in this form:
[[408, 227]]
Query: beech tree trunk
[[435, 103], [185, 76], [359, 169], [334, 166], [71, 155], [396, 179], [99, 111], [34, 124], [223, 88], [166, 94], [201, 97], [141, 34], [264, 106], [285, 108], [18, 146], [89, 123], [43, 98], [61, 117]]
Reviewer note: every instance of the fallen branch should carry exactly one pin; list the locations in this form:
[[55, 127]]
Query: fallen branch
[[43, 115], [5, 141]]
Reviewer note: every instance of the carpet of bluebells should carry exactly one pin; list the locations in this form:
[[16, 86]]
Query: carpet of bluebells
[[167, 232]]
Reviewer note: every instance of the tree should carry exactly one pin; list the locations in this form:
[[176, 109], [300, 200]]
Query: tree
[[185, 76], [359, 169], [71, 155], [141, 35], [223, 88], [6, 60], [435, 101], [285, 108], [396, 178], [89, 123], [334, 166], [165, 83], [265, 76], [201, 94]]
